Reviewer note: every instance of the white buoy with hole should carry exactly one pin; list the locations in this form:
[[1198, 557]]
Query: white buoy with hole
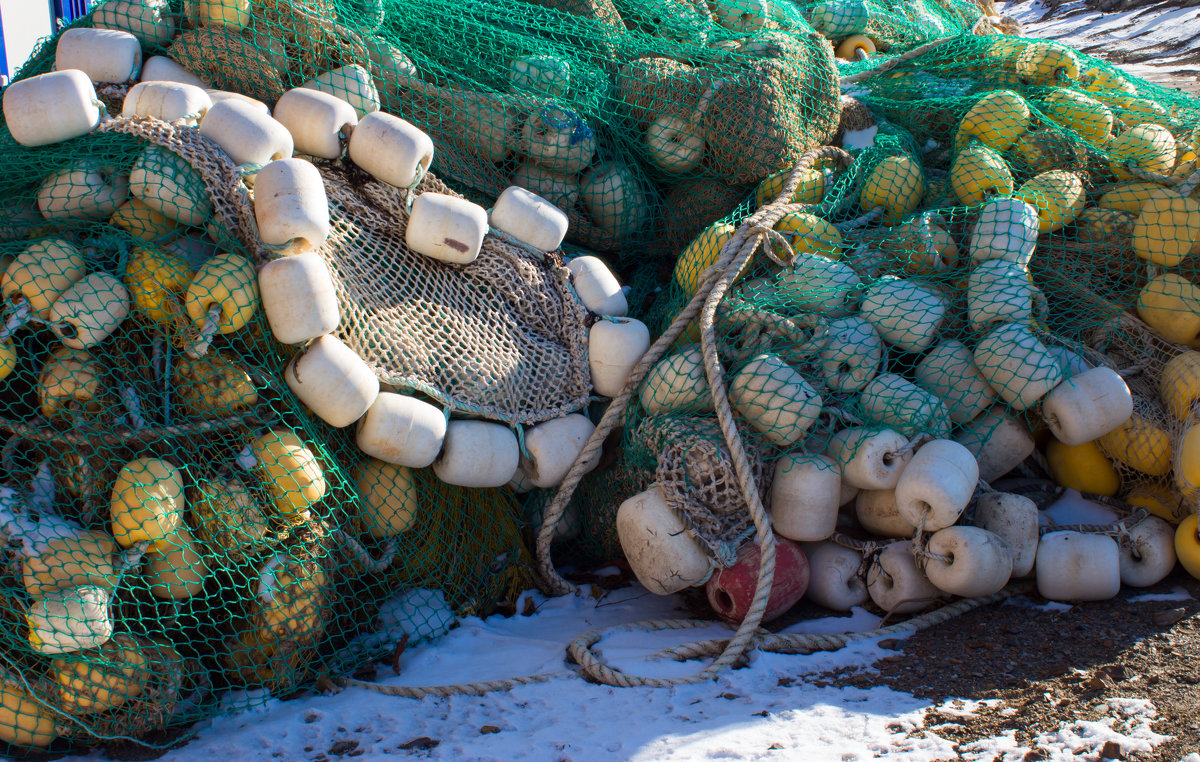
[[299, 298], [84, 190], [163, 69], [677, 383], [1087, 406], [218, 96], [1073, 566], [998, 441], [834, 580], [320, 123], [1017, 365], [937, 484], [896, 584], [1148, 553], [51, 108], [290, 206], [614, 347], [1007, 230], [818, 284], [529, 218], [402, 430], [332, 381], [1014, 519], [390, 149], [894, 401], [597, 287], [168, 101], [870, 458], [976, 562], [998, 292], [105, 55], [90, 311], [661, 552], [876, 511], [804, 497], [446, 228], [851, 354], [907, 315], [478, 454], [948, 370], [774, 399], [246, 134], [553, 447]]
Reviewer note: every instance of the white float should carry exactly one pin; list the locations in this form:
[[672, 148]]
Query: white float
[[876, 511], [168, 101], [553, 447], [891, 400], [540, 74], [614, 347], [613, 198], [937, 484], [148, 20], [70, 620], [163, 69], [82, 191], [1073, 566], [676, 383], [834, 579], [558, 140], [170, 186], [948, 370], [804, 497], [90, 311], [390, 149], [299, 298], [851, 354], [446, 228], [290, 206], [907, 315], [402, 430], [478, 454], [869, 458], [1148, 554], [320, 123], [896, 584], [818, 284], [51, 108], [597, 287], [774, 399], [218, 96], [998, 291], [979, 562], [660, 551], [1017, 365], [352, 84], [1087, 406], [105, 55], [1014, 519], [1007, 230], [529, 218], [247, 135], [333, 382], [998, 441]]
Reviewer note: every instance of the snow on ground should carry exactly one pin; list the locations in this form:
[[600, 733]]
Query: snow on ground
[[763, 712]]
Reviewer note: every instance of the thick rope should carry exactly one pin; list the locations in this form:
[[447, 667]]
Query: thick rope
[[461, 689]]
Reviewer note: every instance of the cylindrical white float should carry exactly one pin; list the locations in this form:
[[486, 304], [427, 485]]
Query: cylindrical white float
[[1017, 365], [1087, 406], [163, 69], [949, 371], [998, 291], [333, 382], [876, 511], [290, 206], [320, 123], [660, 551], [70, 620], [446, 228], [869, 458], [1007, 230], [818, 284], [891, 400], [597, 287], [553, 447], [851, 355], [834, 580], [168, 101], [895, 583], [105, 55], [51, 108], [390, 149], [148, 20], [246, 134], [906, 314], [937, 484], [82, 191], [225, 95], [979, 561], [402, 430], [1014, 519], [299, 298], [478, 454], [1073, 566], [805, 496], [677, 382], [774, 399], [614, 348], [352, 84], [1148, 554], [998, 441], [529, 218], [170, 186], [88, 312]]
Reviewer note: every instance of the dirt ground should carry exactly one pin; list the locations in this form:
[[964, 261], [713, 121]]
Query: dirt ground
[[1049, 668]]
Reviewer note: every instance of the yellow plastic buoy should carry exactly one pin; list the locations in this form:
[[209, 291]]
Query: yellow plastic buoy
[[1082, 467]]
